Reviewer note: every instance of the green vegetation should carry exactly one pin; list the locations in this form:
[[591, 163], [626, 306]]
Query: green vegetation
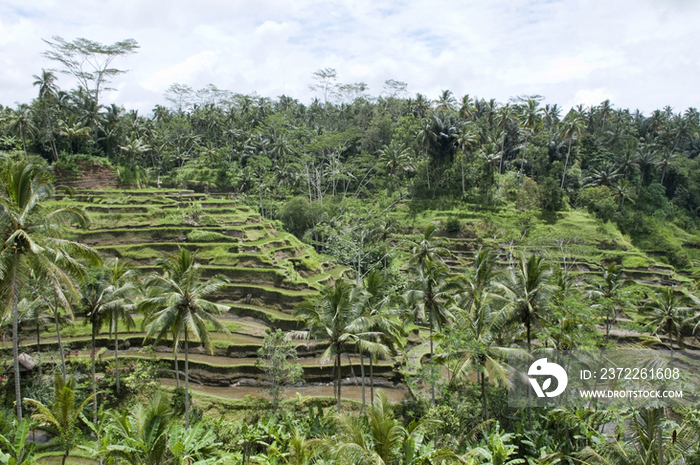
[[413, 243]]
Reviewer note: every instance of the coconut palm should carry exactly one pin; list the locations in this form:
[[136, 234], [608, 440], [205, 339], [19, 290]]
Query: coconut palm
[[669, 313], [121, 288], [397, 158], [34, 244], [331, 319], [105, 301], [430, 298], [570, 129], [376, 322], [482, 323], [428, 248], [62, 416], [177, 303], [527, 290], [21, 123], [465, 138]]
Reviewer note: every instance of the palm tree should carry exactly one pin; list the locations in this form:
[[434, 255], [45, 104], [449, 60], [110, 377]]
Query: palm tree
[[331, 319], [425, 136], [668, 313], [376, 321], [21, 124], [668, 158], [482, 324], [117, 307], [105, 300], [397, 158], [141, 436], [180, 306], [430, 299], [466, 137], [608, 288], [426, 249], [63, 414], [570, 130], [33, 312], [33, 243], [527, 290]]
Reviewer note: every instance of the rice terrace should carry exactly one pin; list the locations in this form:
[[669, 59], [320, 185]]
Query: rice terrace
[[232, 278]]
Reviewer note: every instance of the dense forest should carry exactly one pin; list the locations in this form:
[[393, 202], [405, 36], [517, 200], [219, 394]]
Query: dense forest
[[431, 238]]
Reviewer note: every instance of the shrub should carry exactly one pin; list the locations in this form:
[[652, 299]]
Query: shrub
[[452, 225], [599, 201]]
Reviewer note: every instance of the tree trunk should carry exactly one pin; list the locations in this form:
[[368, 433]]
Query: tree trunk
[[338, 378], [432, 381], [566, 164], [177, 366], [38, 347], [464, 190], [15, 343], [58, 335], [483, 396], [92, 372], [362, 368], [187, 381], [371, 377], [116, 354]]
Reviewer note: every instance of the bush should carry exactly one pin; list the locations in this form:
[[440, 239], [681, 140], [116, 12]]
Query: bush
[[599, 201], [452, 225], [528, 195], [298, 215]]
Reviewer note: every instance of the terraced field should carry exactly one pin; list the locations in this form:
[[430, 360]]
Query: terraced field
[[269, 272]]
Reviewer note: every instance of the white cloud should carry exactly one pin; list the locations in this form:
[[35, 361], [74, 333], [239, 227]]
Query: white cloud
[[181, 72], [639, 53]]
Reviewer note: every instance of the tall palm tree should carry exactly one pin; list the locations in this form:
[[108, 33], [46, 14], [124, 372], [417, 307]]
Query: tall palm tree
[[430, 298], [482, 323], [397, 158], [105, 301], [21, 123], [465, 138], [179, 305], [527, 290], [427, 248], [669, 313], [570, 129], [377, 319], [33, 243], [121, 288], [332, 319]]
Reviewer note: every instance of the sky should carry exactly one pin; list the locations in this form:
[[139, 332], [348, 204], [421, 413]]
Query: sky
[[640, 54]]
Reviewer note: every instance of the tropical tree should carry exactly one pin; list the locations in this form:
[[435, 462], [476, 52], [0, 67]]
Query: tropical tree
[[178, 304], [397, 158], [62, 416], [430, 297], [34, 243], [465, 138], [527, 290], [570, 129], [331, 319], [140, 436], [376, 321], [21, 123], [668, 313], [481, 325]]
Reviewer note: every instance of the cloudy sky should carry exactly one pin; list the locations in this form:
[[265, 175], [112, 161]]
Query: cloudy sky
[[638, 53]]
